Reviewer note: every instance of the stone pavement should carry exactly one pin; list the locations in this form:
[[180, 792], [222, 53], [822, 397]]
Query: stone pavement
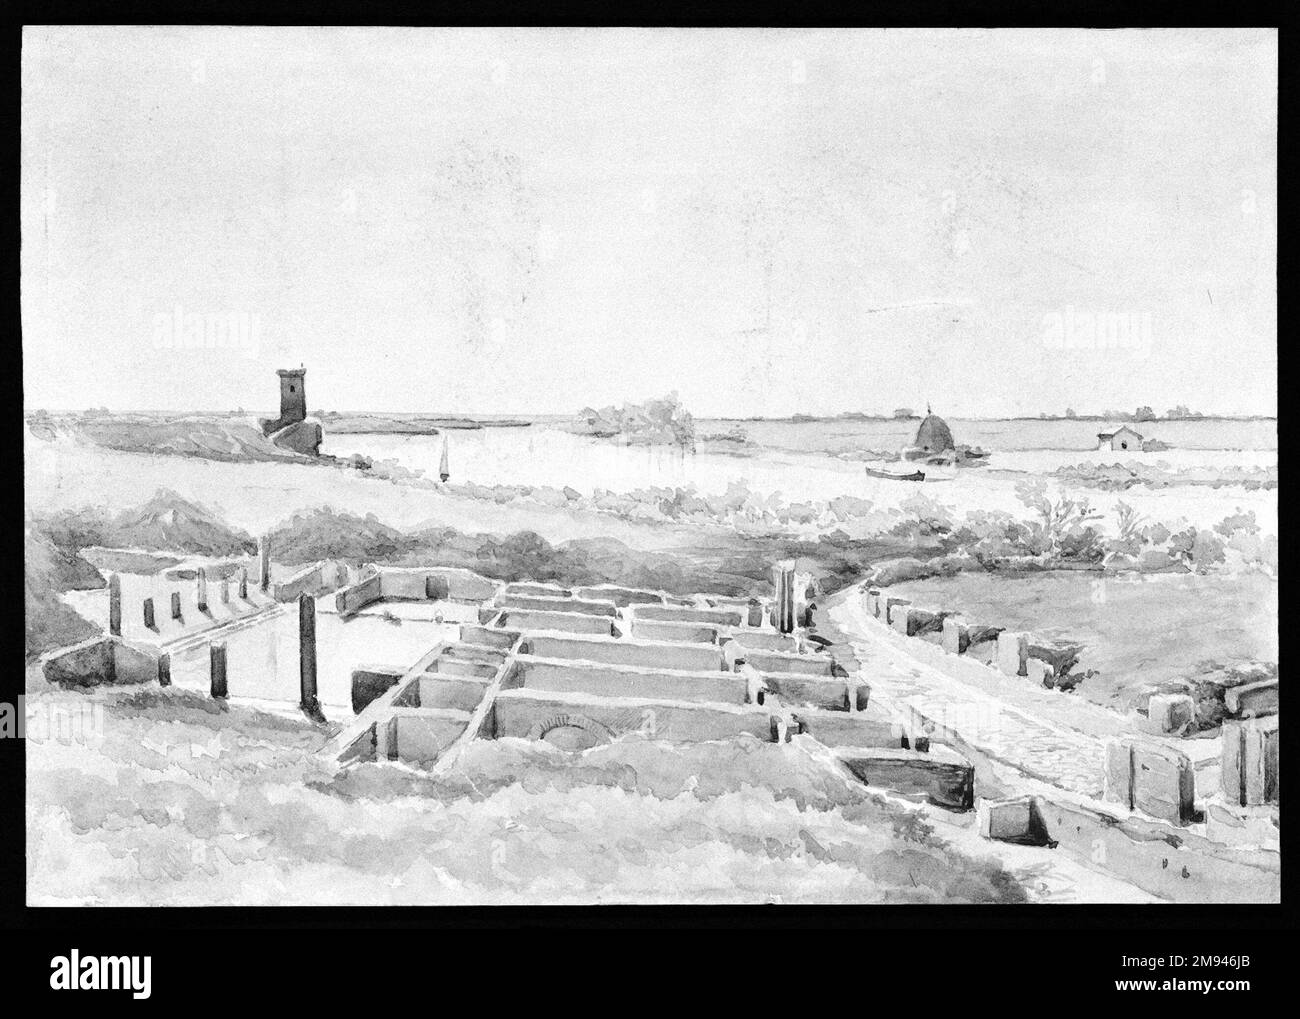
[[896, 669]]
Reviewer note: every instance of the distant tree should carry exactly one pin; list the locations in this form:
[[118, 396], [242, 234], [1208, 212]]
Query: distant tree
[[1144, 414], [1181, 413], [662, 421], [904, 412], [1069, 412]]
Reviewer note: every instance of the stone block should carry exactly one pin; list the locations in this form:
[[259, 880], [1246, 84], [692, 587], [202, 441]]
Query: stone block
[[1013, 653], [685, 614], [1171, 713], [1005, 819], [1038, 672], [1252, 699], [1150, 777], [894, 603], [920, 621], [956, 636], [869, 729], [625, 681], [357, 596], [809, 691], [489, 636], [1249, 766], [530, 589], [1060, 655], [777, 662], [566, 622], [691, 633], [620, 596], [689, 657], [980, 634], [541, 604], [371, 681], [942, 775], [1017, 820]]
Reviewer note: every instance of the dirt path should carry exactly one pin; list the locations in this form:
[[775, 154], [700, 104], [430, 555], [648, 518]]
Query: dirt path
[[1053, 737]]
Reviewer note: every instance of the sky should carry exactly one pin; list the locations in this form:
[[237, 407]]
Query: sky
[[996, 222]]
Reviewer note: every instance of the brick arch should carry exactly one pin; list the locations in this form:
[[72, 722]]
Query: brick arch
[[599, 732]]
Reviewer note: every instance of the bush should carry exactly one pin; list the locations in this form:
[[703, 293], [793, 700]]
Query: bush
[[663, 421], [1059, 529]]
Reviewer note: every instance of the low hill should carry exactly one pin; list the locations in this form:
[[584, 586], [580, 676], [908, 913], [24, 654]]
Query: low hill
[[166, 523], [324, 534], [170, 523], [207, 437], [47, 571]]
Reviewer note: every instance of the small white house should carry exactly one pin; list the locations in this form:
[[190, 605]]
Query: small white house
[[1120, 438]]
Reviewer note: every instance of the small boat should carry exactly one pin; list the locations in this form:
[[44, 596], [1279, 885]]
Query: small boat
[[444, 471], [914, 476]]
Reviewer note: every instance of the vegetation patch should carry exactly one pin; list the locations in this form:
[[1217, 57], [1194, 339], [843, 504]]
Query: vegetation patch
[[179, 800]]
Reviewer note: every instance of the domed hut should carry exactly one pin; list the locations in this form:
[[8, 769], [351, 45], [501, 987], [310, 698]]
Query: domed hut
[[933, 438], [934, 435]]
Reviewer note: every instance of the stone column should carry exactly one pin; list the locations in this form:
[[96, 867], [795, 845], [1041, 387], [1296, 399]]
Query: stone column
[[307, 655], [225, 590], [264, 562], [115, 605], [243, 583], [217, 669], [176, 605], [148, 613], [783, 580], [202, 589]]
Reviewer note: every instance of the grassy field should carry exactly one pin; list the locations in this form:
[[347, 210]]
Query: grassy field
[[1138, 631], [177, 800]]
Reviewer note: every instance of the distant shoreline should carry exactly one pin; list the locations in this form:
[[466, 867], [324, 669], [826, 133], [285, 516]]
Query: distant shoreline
[[398, 424], [357, 422]]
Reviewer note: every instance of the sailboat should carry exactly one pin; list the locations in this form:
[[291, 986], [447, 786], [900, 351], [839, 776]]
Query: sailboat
[[443, 471]]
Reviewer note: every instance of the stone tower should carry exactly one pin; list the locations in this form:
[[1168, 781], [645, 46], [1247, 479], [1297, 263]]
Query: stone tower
[[293, 395]]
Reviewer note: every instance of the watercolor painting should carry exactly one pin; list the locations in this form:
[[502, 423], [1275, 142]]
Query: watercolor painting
[[668, 466]]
